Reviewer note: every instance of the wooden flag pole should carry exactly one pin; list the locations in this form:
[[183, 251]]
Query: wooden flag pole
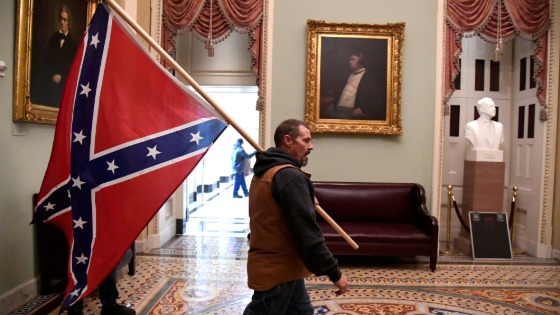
[[181, 71], [336, 227], [212, 103]]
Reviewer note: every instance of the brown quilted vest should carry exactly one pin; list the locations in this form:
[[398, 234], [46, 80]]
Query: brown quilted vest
[[272, 253]]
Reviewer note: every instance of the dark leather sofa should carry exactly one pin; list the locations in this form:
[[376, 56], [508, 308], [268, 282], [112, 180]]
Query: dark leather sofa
[[384, 219]]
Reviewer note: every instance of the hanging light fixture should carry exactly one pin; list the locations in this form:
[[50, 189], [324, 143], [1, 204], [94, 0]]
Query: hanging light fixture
[[209, 43], [499, 42]]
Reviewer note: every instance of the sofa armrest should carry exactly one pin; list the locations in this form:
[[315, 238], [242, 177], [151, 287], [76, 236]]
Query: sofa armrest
[[427, 222]]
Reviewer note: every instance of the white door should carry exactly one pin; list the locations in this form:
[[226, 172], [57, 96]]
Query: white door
[[527, 145]]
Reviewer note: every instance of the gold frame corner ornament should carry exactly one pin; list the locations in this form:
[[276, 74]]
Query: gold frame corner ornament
[[340, 38]]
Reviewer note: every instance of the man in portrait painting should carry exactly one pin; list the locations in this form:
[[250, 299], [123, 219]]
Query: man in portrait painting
[[56, 63], [361, 98]]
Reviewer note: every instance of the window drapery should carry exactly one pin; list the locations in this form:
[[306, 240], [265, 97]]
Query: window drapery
[[529, 19], [212, 21]]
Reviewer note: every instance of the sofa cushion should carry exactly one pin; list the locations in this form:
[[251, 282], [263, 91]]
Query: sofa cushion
[[376, 232], [371, 202]]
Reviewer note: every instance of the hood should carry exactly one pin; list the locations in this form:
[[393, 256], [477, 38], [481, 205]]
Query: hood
[[271, 158]]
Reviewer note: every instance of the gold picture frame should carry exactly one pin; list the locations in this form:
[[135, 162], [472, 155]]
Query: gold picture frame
[[37, 23], [354, 74]]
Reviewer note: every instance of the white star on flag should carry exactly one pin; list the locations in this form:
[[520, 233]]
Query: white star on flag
[[85, 89], [82, 259], [112, 166], [75, 292], [77, 182], [79, 223], [95, 40], [153, 151], [196, 137], [49, 206], [79, 137]]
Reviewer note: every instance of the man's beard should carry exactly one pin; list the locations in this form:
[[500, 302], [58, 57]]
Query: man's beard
[[305, 159]]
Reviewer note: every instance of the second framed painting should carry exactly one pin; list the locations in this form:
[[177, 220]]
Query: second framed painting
[[354, 74]]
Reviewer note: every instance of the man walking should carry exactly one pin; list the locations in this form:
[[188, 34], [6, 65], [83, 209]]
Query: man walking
[[238, 157], [286, 243]]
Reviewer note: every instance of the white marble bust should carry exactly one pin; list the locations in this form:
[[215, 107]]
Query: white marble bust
[[484, 133]]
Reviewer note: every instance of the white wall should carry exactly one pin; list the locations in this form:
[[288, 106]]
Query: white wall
[[406, 158]]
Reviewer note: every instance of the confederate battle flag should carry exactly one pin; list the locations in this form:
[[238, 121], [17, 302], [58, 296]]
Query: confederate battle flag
[[128, 134]]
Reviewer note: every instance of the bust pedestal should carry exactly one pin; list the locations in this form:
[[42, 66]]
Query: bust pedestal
[[483, 191]]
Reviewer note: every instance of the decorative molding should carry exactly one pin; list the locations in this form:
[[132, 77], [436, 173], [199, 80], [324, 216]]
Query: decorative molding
[[141, 246], [437, 164], [156, 8], [264, 112], [169, 213], [154, 225], [545, 234], [157, 240], [19, 295]]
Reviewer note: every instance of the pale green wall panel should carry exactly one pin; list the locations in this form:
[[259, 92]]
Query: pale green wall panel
[[406, 158], [23, 160]]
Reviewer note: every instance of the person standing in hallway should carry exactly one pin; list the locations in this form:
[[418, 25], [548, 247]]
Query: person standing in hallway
[[238, 159], [286, 243]]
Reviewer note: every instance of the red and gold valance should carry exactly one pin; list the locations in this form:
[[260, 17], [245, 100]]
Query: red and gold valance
[[212, 21], [529, 19]]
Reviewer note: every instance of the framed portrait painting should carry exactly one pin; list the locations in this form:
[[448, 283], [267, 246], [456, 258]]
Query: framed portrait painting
[[47, 37], [354, 78]]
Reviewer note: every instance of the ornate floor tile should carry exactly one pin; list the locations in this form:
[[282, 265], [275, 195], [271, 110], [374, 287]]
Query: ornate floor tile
[[207, 275]]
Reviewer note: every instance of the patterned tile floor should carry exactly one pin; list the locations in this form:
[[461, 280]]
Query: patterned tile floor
[[206, 275], [204, 272]]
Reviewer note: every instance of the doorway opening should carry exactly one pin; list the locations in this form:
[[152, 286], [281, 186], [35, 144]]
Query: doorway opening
[[211, 209]]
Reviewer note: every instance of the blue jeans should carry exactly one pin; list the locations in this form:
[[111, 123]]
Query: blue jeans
[[289, 298], [239, 181]]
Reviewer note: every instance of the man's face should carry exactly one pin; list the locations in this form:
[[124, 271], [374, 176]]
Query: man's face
[[301, 146], [64, 21], [355, 63], [488, 109]]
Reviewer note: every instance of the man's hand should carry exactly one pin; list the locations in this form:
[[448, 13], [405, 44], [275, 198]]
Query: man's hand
[[342, 285]]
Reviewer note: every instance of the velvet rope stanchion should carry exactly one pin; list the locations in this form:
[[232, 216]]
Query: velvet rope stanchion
[[448, 232], [463, 224], [512, 210]]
